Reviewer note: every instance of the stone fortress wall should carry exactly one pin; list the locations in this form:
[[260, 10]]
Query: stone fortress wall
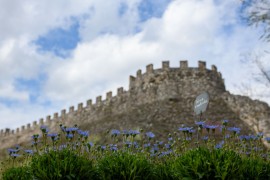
[[173, 84]]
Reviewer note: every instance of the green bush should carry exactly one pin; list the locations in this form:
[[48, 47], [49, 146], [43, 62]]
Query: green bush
[[124, 165], [64, 164], [203, 163], [18, 173], [255, 168]]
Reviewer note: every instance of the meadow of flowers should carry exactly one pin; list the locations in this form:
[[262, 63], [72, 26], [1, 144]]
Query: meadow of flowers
[[201, 151]]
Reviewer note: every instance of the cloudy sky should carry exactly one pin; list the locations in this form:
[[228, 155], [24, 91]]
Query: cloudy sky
[[55, 54]]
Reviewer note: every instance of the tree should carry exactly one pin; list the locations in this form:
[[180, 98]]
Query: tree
[[257, 12]]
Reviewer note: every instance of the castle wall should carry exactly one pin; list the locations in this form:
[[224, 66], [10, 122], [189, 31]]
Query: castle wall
[[154, 85]]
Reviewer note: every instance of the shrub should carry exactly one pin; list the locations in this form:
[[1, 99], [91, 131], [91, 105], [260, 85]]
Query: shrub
[[64, 164], [18, 173], [124, 165], [202, 163]]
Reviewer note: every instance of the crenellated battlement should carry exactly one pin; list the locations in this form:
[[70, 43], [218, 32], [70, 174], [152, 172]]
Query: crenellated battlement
[[152, 85]]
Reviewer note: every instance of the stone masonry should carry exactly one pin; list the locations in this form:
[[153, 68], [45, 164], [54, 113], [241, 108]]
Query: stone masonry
[[158, 100]]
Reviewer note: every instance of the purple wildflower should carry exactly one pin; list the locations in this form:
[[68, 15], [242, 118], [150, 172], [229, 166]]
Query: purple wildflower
[[54, 136], [115, 132], [225, 122], [71, 130], [44, 129], [267, 139], [113, 147], [12, 151], [260, 134], [69, 136], [14, 155], [134, 132], [147, 145], [205, 138], [28, 151], [185, 129], [235, 130], [168, 146], [150, 135], [165, 153], [83, 133], [219, 145], [200, 123]]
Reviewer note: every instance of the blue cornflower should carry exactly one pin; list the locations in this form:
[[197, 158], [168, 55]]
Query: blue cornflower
[[134, 132], [69, 136], [150, 135], [190, 131], [147, 145], [227, 136], [205, 138], [210, 126], [44, 129], [12, 151], [188, 138], [91, 144], [128, 144], [71, 130], [200, 123], [54, 136], [82, 133], [154, 149], [170, 139], [160, 142], [35, 142], [267, 139], [113, 147], [168, 146], [136, 144], [115, 132], [225, 122], [103, 147], [185, 129], [219, 145], [165, 153], [253, 137], [35, 137], [235, 130], [125, 133], [260, 134], [14, 155], [28, 151]]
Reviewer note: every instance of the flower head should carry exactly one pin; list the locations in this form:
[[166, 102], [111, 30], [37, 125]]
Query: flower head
[[115, 132], [134, 132], [267, 139], [225, 122], [150, 135], [71, 130], [29, 151], [82, 133], [54, 136], [44, 129], [200, 123], [235, 130]]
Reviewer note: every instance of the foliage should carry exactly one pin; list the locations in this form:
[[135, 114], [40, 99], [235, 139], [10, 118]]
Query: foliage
[[198, 152], [64, 164], [125, 165], [18, 173]]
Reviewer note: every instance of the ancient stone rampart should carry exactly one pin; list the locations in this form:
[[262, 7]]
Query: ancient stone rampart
[[159, 89]]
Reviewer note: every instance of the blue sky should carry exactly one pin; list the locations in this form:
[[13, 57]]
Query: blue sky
[[56, 54]]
